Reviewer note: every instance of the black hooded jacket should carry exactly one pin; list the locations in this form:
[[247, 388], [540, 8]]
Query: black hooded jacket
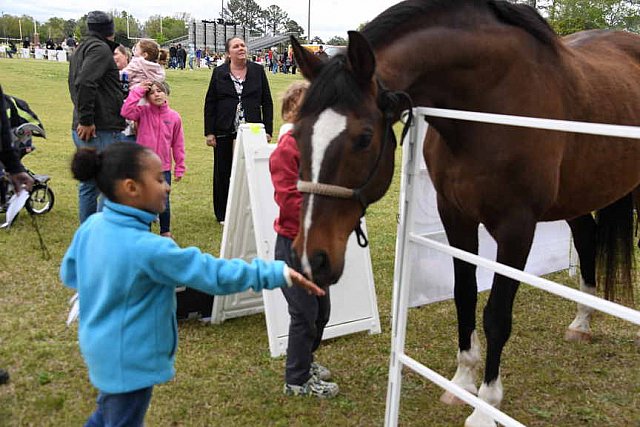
[[94, 85]]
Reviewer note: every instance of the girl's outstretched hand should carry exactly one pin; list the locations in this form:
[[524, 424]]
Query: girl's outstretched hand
[[299, 280]]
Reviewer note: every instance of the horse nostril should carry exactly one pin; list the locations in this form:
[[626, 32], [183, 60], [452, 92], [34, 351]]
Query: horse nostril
[[320, 262]]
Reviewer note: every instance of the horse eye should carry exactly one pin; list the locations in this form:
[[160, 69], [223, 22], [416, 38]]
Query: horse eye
[[363, 141]]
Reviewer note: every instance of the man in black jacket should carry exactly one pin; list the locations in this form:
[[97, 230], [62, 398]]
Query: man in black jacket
[[96, 93], [10, 158]]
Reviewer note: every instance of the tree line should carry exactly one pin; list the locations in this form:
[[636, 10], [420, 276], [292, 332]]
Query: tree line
[[570, 16], [565, 16], [259, 21]]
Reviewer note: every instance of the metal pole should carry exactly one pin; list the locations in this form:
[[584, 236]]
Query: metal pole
[[20, 26], [309, 24]]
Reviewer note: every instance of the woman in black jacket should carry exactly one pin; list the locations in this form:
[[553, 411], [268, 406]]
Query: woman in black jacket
[[238, 93]]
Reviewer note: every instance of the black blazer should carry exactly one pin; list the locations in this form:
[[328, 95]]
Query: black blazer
[[221, 100]]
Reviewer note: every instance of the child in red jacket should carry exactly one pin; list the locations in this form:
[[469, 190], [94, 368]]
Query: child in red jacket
[[309, 313], [160, 129]]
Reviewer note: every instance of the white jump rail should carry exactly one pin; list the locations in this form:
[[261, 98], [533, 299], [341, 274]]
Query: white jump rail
[[412, 152]]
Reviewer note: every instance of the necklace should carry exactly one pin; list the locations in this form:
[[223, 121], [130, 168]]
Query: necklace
[[239, 76]]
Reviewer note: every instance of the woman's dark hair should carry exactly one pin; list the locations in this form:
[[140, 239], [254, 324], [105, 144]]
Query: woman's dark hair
[[120, 160]]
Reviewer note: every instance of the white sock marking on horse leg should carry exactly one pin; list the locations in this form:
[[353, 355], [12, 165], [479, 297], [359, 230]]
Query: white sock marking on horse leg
[[329, 125], [582, 322], [468, 362], [491, 393]]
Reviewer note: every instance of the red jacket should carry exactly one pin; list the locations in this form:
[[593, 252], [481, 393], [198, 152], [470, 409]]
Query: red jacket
[[284, 164]]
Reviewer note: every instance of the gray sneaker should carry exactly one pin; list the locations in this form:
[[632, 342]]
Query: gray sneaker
[[320, 371], [313, 387]]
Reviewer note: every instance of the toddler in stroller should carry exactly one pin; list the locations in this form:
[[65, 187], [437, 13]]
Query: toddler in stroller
[[24, 125]]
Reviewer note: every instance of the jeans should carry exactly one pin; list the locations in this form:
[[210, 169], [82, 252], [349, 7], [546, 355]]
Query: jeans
[[121, 409], [89, 200], [165, 217]]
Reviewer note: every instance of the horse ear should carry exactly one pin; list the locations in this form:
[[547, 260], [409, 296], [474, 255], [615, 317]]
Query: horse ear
[[361, 57], [309, 64]]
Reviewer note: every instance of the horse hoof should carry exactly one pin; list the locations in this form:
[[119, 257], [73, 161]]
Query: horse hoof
[[451, 399], [577, 336]]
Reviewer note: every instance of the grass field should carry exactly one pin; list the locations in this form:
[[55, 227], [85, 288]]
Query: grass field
[[225, 376]]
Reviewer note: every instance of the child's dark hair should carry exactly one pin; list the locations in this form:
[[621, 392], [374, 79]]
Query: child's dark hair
[[120, 160]]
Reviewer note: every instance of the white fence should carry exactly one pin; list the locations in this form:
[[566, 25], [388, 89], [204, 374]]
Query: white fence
[[401, 289]]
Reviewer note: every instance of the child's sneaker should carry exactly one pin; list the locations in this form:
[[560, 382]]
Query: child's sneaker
[[320, 371], [313, 387]]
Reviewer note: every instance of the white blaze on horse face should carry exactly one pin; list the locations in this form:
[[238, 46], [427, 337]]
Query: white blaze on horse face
[[327, 127]]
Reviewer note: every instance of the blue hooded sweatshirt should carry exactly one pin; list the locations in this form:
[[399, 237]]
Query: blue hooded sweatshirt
[[126, 278]]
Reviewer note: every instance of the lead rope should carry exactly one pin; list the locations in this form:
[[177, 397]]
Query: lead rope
[[45, 251], [363, 242]]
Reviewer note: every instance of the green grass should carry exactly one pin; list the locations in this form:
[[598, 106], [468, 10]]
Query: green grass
[[224, 373]]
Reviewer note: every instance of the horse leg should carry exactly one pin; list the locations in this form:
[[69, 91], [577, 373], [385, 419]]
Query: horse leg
[[583, 230], [514, 236], [462, 233]]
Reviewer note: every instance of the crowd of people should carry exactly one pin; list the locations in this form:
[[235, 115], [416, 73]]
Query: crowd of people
[[129, 149], [67, 45]]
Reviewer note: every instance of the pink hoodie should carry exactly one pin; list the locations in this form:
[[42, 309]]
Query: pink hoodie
[[159, 128], [139, 70]]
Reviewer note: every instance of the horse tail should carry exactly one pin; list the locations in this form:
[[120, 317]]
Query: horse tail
[[615, 258]]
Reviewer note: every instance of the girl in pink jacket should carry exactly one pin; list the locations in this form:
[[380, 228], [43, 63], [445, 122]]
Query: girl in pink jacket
[[160, 129]]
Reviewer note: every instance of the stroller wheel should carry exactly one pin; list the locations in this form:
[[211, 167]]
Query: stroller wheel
[[40, 200]]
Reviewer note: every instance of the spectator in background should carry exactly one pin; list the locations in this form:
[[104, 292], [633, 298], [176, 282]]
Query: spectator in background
[[238, 92], [71, 43], [181, 54], [192, 56], [96, 93], [26, 43], [163, 58], [12, 49], [173, 56], [321, 53]]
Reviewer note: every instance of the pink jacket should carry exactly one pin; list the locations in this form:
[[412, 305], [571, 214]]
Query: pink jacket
[[159, 128], [139, 70]]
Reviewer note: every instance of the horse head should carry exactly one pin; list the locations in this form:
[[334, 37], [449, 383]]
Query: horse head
[[346, 152]]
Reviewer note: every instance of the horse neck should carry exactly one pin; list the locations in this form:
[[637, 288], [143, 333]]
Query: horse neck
[[451, 68]]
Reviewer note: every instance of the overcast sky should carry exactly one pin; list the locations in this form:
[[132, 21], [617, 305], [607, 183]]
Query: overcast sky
[[328, 17]]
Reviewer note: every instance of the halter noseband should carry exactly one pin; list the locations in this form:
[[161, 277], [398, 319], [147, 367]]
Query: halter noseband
[[387, 101]]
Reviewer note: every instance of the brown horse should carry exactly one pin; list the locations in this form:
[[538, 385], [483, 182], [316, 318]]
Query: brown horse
[[490, 56]]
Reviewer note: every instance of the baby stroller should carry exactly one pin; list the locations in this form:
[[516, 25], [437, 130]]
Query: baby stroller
[[24, 126]]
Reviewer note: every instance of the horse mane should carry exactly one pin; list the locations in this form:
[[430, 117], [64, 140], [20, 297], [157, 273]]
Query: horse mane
[[394, 21], [334, 87]]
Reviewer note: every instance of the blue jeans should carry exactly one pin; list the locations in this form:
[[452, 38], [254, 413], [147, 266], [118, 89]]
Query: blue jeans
[[89, 200], [121, 409], [165, 217]]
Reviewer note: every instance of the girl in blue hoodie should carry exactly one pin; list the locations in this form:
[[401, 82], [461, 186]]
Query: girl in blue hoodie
[[126, 277]]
